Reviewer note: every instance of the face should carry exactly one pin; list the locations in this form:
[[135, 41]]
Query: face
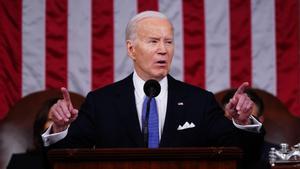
[[152, 50]]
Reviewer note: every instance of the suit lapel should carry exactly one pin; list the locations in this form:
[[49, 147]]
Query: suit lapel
[[125, 103], [174, 114]]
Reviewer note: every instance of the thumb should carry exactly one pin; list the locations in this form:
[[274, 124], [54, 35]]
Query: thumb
[[74, 114]]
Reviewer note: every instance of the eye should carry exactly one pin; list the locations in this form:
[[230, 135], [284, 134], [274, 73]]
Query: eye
[[169, 42], [153, 41]]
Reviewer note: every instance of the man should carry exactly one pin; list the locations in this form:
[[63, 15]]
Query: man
[[187, 115]]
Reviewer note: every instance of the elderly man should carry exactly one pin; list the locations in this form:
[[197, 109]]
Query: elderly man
[[185, 115]]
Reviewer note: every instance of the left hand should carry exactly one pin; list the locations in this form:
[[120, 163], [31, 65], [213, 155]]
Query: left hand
[[240, 106]]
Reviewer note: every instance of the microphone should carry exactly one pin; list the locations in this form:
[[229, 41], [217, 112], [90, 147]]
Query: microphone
[[152, 89]]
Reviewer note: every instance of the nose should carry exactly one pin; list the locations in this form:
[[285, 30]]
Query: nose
[[162, 50]]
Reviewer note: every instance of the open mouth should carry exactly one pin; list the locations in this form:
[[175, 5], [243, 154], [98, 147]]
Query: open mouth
[[161, 62]]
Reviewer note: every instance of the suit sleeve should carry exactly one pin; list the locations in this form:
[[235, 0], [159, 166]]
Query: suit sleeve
[[222, 132]]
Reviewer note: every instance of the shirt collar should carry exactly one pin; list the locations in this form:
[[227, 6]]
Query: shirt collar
[[139, 86]]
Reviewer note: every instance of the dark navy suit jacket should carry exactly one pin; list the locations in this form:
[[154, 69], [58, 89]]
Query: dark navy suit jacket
[[108, 118]]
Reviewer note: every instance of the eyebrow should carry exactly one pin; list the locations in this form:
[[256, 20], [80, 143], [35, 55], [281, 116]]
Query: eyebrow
[[156, 38]]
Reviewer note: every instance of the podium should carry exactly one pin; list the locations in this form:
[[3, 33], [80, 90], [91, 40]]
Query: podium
[[142, 158]]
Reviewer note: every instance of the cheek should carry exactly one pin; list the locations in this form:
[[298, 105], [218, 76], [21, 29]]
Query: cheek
[[143, 60], [146, 55], [142, 50], [171, 52], [170, 57]]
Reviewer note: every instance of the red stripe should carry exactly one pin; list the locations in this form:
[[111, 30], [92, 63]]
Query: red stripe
[[287, 49], [10, 50], [194, 46], [102, 43], [56, 43], [144, 5], [240, 39]]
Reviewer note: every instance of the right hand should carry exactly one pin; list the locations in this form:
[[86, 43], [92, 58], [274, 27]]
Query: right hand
[[62, 112], [240, 106]]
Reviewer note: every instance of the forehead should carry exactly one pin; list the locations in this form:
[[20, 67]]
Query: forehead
[[154, 25]]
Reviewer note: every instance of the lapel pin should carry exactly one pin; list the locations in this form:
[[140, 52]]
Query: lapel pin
[[180, 103]]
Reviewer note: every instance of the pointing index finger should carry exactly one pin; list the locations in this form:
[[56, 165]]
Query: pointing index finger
[[242, 88], [66, 96]]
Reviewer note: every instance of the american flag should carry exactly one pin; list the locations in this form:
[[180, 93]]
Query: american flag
[[80, 44]]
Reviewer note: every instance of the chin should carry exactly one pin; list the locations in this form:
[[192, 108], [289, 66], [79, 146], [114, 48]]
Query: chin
[[160, 76], [158, 73]]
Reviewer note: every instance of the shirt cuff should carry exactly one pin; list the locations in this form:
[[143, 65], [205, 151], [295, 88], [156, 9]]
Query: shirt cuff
[[49, 139], [254, 127]]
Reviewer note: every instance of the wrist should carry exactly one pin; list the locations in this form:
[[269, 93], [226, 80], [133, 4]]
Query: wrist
[[247, 121], [58, 128]]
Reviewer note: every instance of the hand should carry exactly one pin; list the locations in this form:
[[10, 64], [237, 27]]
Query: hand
[[240, 106], [62, 112]]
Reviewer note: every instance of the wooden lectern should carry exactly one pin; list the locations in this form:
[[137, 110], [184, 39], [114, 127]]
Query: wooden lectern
[[141, 158]]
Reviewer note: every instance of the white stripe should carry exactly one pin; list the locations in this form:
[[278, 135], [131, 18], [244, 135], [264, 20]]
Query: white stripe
[[79, 46], [263, 45], [123, 11], [217, 45], [33, 46], [173, 10]]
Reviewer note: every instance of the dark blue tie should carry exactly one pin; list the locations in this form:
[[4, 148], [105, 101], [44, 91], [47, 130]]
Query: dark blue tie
[[153, 133]]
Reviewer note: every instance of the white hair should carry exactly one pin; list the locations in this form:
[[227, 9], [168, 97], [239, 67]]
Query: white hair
[[132, 24]]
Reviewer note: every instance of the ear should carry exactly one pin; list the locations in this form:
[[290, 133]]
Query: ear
[[130, 49]]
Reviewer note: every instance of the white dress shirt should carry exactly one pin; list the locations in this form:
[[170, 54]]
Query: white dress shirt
[[161, 101]]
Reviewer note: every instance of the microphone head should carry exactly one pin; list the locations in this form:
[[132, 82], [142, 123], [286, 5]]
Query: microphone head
[[152, 88]]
